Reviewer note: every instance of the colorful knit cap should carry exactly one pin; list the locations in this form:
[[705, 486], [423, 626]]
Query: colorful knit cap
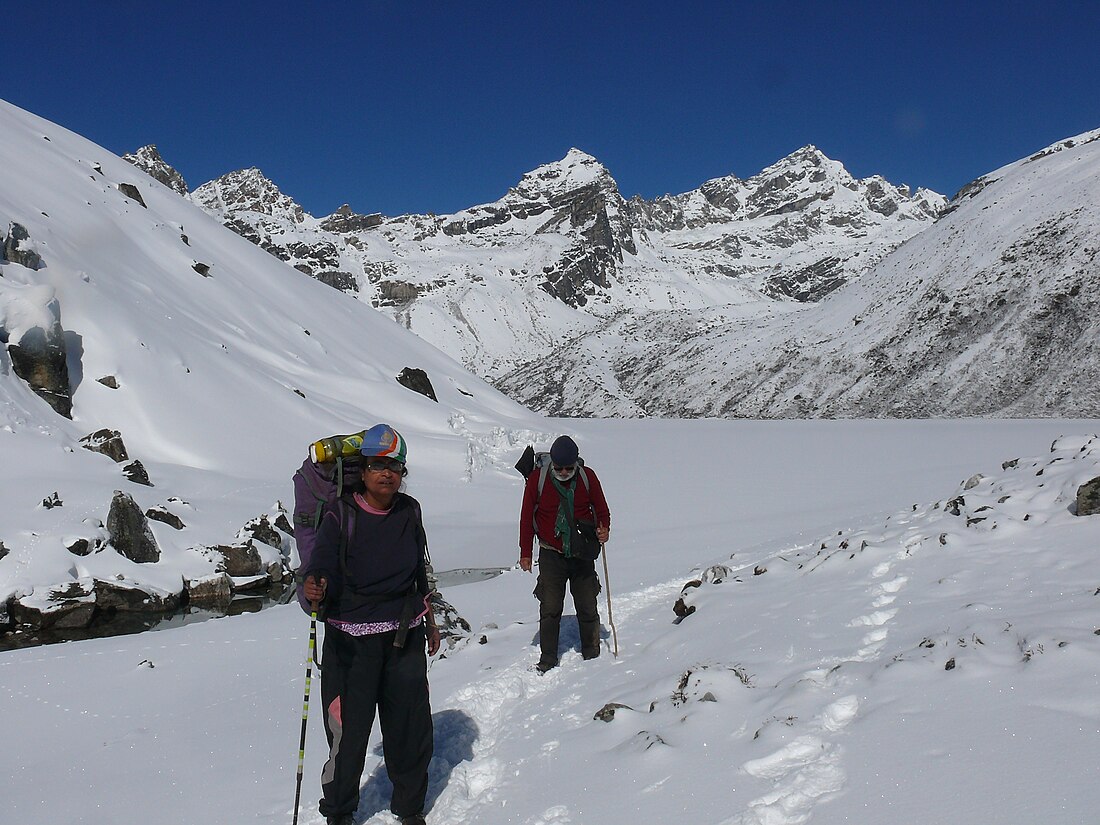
[[384, 440]]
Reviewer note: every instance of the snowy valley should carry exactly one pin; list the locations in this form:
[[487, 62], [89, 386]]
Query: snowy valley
[[821, 621]]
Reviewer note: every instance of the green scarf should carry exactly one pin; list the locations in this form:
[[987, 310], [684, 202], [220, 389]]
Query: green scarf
[[565, 514]]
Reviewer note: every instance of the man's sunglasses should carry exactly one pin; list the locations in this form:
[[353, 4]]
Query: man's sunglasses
[[379, 465], [566, 469]]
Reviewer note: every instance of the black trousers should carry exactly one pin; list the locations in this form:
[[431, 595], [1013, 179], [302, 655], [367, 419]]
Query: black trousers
[[359, 674], [555, 571]]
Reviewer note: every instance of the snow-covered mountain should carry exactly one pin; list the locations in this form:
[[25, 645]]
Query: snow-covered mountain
[[799, 292], [562, 253], [813, 620], [136, 323], [993, 311]]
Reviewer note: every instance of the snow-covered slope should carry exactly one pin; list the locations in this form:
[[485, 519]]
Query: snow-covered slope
[[562, 253], [991, 311], [217, 363], [858, 653]]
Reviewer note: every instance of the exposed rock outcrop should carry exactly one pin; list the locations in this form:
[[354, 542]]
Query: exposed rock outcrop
[[149, 161], [108, 443], [129, 530], [417, 380]]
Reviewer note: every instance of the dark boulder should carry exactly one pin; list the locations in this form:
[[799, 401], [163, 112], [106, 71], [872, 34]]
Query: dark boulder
[[1088, 498], [129, 596], [131, 191], [63, 606], [238, 560], [107, 442], [607, 712], [283, 523], [213, 592], [261, 529], [3, 550], [164, 517], [17, 248], [129, 530], [417, 380], [40, 359], [135, 472], [109, 381]]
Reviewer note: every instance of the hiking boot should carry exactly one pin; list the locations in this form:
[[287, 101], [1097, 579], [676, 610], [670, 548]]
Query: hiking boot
[[545, 665], [415, 819], [590, 654], [340, 819]]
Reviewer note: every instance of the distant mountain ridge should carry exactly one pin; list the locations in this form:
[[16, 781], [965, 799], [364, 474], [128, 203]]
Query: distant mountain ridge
[[562, 253], [724, 301]]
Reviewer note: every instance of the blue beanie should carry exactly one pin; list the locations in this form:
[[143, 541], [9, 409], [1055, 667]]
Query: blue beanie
[[564, 451]]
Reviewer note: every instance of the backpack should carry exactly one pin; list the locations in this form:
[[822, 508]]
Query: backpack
[[333, 470], [586, 542]]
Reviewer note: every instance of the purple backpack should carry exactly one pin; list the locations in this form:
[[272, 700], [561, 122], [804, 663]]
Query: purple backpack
[[318, 487]]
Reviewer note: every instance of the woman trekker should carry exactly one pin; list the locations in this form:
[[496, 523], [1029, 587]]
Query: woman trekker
[[368, 573]]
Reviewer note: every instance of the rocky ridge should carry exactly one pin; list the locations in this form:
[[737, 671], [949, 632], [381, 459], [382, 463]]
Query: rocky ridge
[[563, 254], [991, 312]]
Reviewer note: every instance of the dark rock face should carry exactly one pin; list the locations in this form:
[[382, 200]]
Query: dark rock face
[[70, 605], [214, 592], [607, 712], [3, 550], [135, 472], [417, 380], [131, 191], [238, 560], [343, 220], [107, 442], [17, 249], [397, 293], [1088, 498], [109, 381], [40, 359], [81, 547], [129, 530], [164, 517], [149, 161], [261, 530], [52, 500], [809, 284], [129, 597], [283, 523], [343, 281]]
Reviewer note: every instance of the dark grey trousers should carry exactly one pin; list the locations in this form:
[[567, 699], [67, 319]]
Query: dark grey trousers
[[555, 571], [359, 674]]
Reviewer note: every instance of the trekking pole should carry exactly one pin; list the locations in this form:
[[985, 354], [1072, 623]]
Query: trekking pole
[[610, 618], [310, 659]]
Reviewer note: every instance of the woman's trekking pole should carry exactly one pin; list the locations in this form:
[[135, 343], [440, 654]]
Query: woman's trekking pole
[[310, 659], [610, 618]]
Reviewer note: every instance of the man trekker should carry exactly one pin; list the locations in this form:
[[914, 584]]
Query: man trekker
[[369, 571], [545, 516]]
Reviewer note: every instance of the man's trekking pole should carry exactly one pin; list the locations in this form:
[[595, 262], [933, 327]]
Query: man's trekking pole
[[610, 618], [310, 659]]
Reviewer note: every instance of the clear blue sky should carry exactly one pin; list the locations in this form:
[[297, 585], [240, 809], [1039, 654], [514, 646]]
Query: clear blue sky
[[407, 106]]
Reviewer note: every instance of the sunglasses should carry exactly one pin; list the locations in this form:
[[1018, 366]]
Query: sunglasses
[[566, 469], [380, 465]]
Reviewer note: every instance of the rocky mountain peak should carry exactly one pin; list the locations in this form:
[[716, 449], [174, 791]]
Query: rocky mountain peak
[[248, 190], [577, 170], [149, 161]]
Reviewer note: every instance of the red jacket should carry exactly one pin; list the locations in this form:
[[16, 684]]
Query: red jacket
[[546, 516]]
